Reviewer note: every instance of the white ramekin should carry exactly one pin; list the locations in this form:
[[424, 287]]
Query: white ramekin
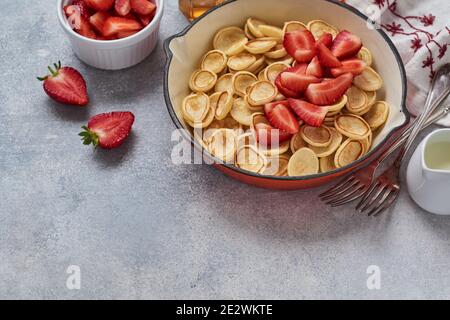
[[114, 54]]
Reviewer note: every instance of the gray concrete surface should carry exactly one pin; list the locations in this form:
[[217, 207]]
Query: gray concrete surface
[[140, 227]]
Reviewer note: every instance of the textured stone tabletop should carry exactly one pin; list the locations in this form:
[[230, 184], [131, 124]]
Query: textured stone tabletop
[[140, 227]]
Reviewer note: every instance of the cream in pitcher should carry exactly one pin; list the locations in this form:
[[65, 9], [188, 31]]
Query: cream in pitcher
[[428, 173]]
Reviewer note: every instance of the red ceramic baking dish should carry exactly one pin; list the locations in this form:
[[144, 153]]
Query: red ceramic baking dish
[[184, 52]]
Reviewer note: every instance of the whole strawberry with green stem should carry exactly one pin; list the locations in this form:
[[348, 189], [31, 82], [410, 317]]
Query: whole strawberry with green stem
[[108, 130], [65, 85]]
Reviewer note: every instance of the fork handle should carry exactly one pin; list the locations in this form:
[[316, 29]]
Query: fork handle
[[401, 140], [418, 126]]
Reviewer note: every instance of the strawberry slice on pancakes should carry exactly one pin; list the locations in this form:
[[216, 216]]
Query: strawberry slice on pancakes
[[346, 45], [326, 39], [314, 68], [328, 92], [355, 66], [300, 45], [281, 117], [312, 114], [266, 135], [326, 57]]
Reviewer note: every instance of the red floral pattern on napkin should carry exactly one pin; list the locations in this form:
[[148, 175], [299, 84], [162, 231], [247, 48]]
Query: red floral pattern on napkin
[[421, 33]]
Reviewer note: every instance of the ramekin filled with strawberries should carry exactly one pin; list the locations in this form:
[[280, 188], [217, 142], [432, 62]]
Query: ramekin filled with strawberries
[[111, 34]]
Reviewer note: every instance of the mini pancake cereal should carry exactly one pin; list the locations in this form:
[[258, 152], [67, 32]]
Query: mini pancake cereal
[[319, 27], [263, 99], [302, 163], [348, 152], [230, 40], [214, 61]]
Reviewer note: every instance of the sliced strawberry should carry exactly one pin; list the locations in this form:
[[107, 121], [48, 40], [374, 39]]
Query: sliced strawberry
[[346, 45], [145, 20], [355, 66], [125, 34], [326, 39], [299, 68], [65, 85], [312, 115], [142, 7], [267, 135], [281, 117], [122, 7], [108, 130], [114, 25], [328, 92], [80, 6], [268, 107], [297, 82], [98, 20], [326, 58], [100, 5], [285, 91], [300, 45], [314, 68]]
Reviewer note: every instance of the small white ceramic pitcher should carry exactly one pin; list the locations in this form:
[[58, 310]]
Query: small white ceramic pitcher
[[428, 174]]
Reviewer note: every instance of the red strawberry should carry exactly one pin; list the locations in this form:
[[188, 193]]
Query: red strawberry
[[122, 7], [80, 6], [142, 7], [79, 22], [326, 58], [66, 85], [314, 68], [300, 45], [125, 34], [326, 39], [113, 25], [100, 5], [328, 92], [281, 117], [268, 107], [266, 134], [297, 82], [346, 45], [98, 20], [313, 115], [299, 68], [108, 130], [355, 66], [145, 20], [285, 91]]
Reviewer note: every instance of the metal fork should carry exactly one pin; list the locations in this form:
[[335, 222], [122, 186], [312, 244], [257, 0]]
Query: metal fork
[[386, 188], [358, 183]]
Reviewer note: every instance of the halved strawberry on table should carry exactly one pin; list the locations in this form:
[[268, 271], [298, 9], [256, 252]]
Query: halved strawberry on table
[[346, 45], [313, 115], [326, 57], [330, 91], [299, 44], [281, 117], [114, 25], [108, 130], [65, 85], [355, 66]]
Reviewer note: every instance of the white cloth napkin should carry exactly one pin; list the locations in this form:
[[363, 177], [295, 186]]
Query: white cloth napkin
[[420, 30]]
